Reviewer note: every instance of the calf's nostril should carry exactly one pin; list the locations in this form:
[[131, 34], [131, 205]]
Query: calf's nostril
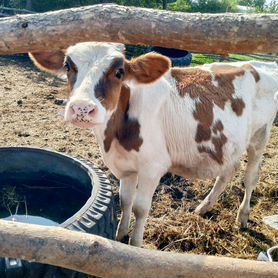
[[92, 110], [82, 110]]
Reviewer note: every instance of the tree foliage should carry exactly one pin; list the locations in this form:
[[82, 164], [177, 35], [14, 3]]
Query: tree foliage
[[261, 5], [205, 6], [272, 7], [46, 5], [181, 6], [252, 3]]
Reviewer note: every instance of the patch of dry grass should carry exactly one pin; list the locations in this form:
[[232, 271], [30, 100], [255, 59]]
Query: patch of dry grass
[[29, 117]]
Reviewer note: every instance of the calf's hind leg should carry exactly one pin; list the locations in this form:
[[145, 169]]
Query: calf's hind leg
[[218, 187], [254, 153]]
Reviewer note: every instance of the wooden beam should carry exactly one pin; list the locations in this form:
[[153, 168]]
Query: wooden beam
[[207, 33], [105, 258]]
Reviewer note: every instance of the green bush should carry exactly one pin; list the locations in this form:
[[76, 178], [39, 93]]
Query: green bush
[[204, 6], [252, 3], [181, 6], [214, 6]]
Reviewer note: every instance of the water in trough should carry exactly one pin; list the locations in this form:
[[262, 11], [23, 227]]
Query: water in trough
[[38, 202]]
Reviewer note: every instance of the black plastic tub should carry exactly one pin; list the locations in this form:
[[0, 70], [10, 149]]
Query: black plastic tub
[[50, 188], [179, 58]]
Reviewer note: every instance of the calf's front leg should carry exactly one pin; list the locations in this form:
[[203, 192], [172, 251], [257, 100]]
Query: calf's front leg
[[142, 205], [127, 192]]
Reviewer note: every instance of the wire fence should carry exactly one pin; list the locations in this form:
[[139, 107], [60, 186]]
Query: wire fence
[[5, 12]]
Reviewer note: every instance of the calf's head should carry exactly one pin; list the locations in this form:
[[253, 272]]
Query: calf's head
[[96, 73]]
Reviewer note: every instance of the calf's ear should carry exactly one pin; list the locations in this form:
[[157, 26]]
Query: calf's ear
[[52, 62], [148, 68]]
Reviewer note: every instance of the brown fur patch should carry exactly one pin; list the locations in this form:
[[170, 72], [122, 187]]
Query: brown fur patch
[[48, 61], [218, 143], [253, 71], [238, 105], [225, 75], [218, 126], [148, 68], [121, 127], [72, 73], [108, 88], [198, 83], [202, 134], [204, 113]]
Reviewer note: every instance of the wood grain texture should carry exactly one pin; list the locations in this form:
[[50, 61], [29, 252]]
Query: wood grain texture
[[206, 33], [105, 258]]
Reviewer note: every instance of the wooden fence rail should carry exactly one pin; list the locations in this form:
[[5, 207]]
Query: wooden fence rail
[[106, 258], [206, 33]]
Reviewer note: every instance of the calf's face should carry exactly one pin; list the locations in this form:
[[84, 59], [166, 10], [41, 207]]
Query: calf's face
[[96, 73]]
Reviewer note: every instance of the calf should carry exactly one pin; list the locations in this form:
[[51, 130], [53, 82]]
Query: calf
[[149, 118]]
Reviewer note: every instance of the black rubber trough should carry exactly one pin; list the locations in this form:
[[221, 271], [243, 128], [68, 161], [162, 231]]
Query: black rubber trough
[[49, 188]]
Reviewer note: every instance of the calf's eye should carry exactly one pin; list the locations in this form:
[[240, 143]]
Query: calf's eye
[[120, 73], [67, 66]]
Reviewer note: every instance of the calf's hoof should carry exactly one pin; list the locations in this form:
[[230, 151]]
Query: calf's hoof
[[123, 238], [136, 242], [202, 209], [242, 219]]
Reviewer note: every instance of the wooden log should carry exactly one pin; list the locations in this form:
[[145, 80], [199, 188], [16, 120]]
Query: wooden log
[[206, 33], [105, 258]]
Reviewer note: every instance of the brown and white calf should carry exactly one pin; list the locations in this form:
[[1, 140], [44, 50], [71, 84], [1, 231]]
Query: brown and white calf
[[150, 118]]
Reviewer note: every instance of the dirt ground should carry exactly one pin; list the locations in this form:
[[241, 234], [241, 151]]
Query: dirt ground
[[29, 117]]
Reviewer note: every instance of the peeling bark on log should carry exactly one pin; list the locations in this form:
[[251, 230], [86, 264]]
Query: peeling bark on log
[[207, 33], [105, 258]]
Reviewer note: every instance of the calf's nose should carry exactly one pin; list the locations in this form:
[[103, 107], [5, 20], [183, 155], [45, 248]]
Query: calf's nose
[[83, 109]]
